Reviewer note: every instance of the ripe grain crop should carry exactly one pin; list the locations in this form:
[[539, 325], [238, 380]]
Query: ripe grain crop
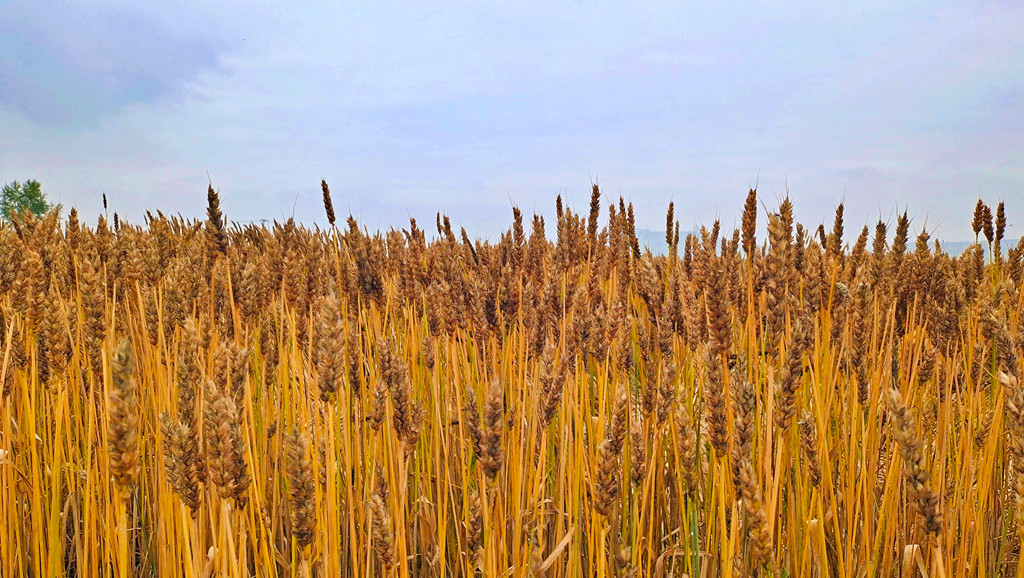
[[204, 398]]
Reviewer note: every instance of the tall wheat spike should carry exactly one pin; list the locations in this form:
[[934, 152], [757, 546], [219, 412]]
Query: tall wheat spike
[[208, 398]]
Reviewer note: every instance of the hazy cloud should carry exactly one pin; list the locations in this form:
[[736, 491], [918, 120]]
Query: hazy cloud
[[73, 64], [466, 107]]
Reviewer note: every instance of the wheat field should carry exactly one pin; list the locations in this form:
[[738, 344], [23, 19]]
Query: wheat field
[[200, 398]]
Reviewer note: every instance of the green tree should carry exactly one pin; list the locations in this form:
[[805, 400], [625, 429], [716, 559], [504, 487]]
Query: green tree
[[17, 198]]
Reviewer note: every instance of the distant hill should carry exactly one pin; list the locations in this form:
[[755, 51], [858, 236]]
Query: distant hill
[[655, 241], [954, 248]]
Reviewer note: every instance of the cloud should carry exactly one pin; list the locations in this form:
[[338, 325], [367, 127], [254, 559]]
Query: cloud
[[71, 64], [465, 107]]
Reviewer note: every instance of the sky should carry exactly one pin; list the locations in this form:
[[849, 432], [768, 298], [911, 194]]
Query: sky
[[469, 108]]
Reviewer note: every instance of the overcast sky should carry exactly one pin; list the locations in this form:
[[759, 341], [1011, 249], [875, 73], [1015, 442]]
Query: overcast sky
[[468, 108]]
